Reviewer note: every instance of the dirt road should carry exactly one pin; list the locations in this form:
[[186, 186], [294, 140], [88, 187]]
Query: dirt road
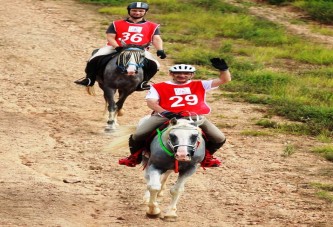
[[51, 132]]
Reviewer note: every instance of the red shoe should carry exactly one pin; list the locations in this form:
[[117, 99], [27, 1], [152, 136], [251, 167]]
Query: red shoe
[[210, 161], [130, 161]]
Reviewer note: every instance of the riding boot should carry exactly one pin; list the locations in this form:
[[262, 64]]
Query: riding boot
[[136, 149], [88, 81], [149, 70], [210, 160], [90, 74]]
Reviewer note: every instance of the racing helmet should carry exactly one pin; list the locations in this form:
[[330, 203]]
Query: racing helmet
[[182, 68], [137, 5]]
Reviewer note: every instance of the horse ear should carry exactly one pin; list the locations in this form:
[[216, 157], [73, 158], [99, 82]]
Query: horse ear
[[173, 121]]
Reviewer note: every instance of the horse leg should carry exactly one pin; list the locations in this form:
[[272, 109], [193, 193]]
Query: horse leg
[[122, 98], [146, 195], [112, 108], [170, 213], [164, 179], [153, 186]]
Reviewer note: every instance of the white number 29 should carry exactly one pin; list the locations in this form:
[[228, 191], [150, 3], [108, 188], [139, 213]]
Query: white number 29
[[181, 101]]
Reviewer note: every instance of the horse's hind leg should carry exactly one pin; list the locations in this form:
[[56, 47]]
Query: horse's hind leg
[[112, 108]]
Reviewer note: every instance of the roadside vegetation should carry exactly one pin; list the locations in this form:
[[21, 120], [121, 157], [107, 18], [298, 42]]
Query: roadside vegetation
[[289, 74], [320, 10]]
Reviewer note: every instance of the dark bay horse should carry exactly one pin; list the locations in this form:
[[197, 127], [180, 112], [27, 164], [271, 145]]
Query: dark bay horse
[[122, 74], [179, 148]]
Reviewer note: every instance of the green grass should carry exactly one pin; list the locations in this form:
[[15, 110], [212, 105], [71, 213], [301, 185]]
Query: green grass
[[325, 191], [288, 150], [254, 133], [321, 10], [326, 152]]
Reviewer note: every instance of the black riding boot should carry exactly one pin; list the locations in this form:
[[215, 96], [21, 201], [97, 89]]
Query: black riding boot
[[149, 70], [213, 147], [136, 148], [90, 70]]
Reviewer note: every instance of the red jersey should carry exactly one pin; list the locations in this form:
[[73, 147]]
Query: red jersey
[[138, 34], [189, 97]]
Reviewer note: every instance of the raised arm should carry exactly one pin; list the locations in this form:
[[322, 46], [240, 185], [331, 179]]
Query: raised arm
[[225, 75]]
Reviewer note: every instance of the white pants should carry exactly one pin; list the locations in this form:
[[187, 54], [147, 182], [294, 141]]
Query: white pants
[[109, 49]]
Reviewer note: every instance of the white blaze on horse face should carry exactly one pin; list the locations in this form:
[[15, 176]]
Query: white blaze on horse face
[[182, 153], [131, 70], [132, 67]]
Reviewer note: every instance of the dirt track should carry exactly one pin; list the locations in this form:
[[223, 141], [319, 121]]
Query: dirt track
[[51, 131]]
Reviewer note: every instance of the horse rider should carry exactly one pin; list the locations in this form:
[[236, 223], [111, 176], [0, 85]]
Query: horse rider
[[180, 95], [133, 30]]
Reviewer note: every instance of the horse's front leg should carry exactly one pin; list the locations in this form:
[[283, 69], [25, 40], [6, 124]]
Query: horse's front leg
[[153, 186], [112, 121], [170, 214]]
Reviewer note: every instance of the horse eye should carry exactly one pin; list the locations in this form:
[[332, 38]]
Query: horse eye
[[173, 138], [194, 137]]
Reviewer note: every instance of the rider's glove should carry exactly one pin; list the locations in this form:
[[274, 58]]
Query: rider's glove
[[119, 49], [219, 63], [170, 115], [161, 54]]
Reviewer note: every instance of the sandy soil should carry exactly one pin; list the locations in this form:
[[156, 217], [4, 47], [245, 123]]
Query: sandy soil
[[59, 168]]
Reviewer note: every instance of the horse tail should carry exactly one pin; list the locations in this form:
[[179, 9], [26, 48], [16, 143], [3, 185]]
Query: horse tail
[[91, 90]]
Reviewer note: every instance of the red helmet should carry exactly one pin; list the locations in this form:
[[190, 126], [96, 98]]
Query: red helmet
[[138, 5]]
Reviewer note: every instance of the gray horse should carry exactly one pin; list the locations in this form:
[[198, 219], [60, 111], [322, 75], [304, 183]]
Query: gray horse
[[179, 148], [123, 73]]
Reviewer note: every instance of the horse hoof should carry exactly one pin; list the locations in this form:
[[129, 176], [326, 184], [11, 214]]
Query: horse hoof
[[109, 130], [152, 215], [153, 212], [169, 218], [121, 112]]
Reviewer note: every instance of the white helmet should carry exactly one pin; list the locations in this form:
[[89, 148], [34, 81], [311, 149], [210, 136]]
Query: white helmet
[[182, 68]]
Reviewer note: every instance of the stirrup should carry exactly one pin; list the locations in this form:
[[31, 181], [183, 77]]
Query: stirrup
[[144, 85]]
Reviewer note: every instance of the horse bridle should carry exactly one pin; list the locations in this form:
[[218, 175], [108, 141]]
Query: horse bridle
[[124, 57], [192, 146]]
